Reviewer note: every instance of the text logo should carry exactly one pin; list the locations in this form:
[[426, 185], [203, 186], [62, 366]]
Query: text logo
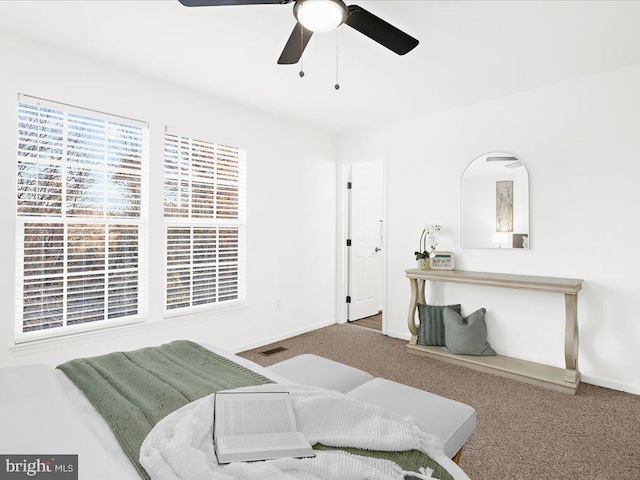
[[39, 467]]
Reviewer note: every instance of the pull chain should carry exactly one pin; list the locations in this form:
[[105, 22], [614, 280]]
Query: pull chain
[[301, 51], [337, 86]]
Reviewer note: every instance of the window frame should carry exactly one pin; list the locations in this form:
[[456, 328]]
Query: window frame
[[190, 222], [139, 219]]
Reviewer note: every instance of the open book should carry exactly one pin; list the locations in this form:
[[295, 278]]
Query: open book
[[252, 426]]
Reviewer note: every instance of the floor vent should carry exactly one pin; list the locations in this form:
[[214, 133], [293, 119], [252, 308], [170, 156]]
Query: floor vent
[[272, 351]]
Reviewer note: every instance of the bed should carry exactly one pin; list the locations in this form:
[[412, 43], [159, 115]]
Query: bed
[[43, 412]]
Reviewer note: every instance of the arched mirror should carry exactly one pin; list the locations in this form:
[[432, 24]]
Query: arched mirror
[[495, 203]]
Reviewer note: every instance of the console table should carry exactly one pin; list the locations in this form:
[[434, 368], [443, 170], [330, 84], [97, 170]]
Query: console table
[[565, 380]]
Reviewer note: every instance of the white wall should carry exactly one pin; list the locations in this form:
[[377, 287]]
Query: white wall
[[580, 141], [291, 204]]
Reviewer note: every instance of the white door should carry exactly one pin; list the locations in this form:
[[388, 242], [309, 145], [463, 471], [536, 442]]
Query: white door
[[366, 234]]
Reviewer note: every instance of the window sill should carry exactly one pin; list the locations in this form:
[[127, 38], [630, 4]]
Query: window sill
[[115, 331], [206, 310], [74, 330]]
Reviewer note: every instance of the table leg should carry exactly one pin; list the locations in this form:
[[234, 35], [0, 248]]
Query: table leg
[[571, 338], [413, 304], [421, 285]]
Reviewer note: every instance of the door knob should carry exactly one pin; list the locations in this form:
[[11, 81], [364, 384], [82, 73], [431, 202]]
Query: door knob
[[377, 249]]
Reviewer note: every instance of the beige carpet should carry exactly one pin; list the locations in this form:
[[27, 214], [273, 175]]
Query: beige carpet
[[524, 432]]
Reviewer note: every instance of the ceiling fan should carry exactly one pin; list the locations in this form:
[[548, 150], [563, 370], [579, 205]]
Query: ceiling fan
[[315, 16]]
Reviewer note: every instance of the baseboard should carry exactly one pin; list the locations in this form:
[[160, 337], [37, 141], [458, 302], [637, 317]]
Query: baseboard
[[400, 335], [282, 336], [600, 382], [611, 384]]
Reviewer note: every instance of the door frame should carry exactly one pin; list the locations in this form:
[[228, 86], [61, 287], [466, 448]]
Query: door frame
[[342, 257]]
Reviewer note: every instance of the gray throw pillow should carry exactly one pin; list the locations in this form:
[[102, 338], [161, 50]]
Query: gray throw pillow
[[466, 336], [431, 328]]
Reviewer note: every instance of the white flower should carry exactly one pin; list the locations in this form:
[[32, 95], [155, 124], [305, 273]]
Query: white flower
[[428, 239]]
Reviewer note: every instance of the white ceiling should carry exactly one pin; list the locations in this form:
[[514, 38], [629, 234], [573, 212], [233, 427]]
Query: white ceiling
[[469, 51]]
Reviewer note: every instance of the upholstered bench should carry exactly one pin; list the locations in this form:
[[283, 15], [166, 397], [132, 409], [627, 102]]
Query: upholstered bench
[[317, 371], [453, 422]]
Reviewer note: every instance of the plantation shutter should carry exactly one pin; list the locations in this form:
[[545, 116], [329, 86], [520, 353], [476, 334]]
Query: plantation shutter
[[205, 210], [81, 220]]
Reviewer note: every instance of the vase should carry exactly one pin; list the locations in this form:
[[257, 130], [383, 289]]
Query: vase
[[423, 264]]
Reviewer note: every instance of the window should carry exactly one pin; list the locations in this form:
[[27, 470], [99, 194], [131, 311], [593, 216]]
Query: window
[[204, 205], [81, 219]]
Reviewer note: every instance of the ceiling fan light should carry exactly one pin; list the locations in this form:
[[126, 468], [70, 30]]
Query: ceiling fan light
[[320, 15]]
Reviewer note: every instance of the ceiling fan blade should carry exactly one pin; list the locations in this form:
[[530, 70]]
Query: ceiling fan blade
[[220, 3], [295, 45], [502, 159], [380, 31]]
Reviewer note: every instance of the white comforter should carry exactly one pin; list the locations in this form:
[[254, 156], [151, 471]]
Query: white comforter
[[180, 448], [42, 412]]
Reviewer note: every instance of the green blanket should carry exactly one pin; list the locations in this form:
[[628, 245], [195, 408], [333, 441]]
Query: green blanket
[[135, 390]]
